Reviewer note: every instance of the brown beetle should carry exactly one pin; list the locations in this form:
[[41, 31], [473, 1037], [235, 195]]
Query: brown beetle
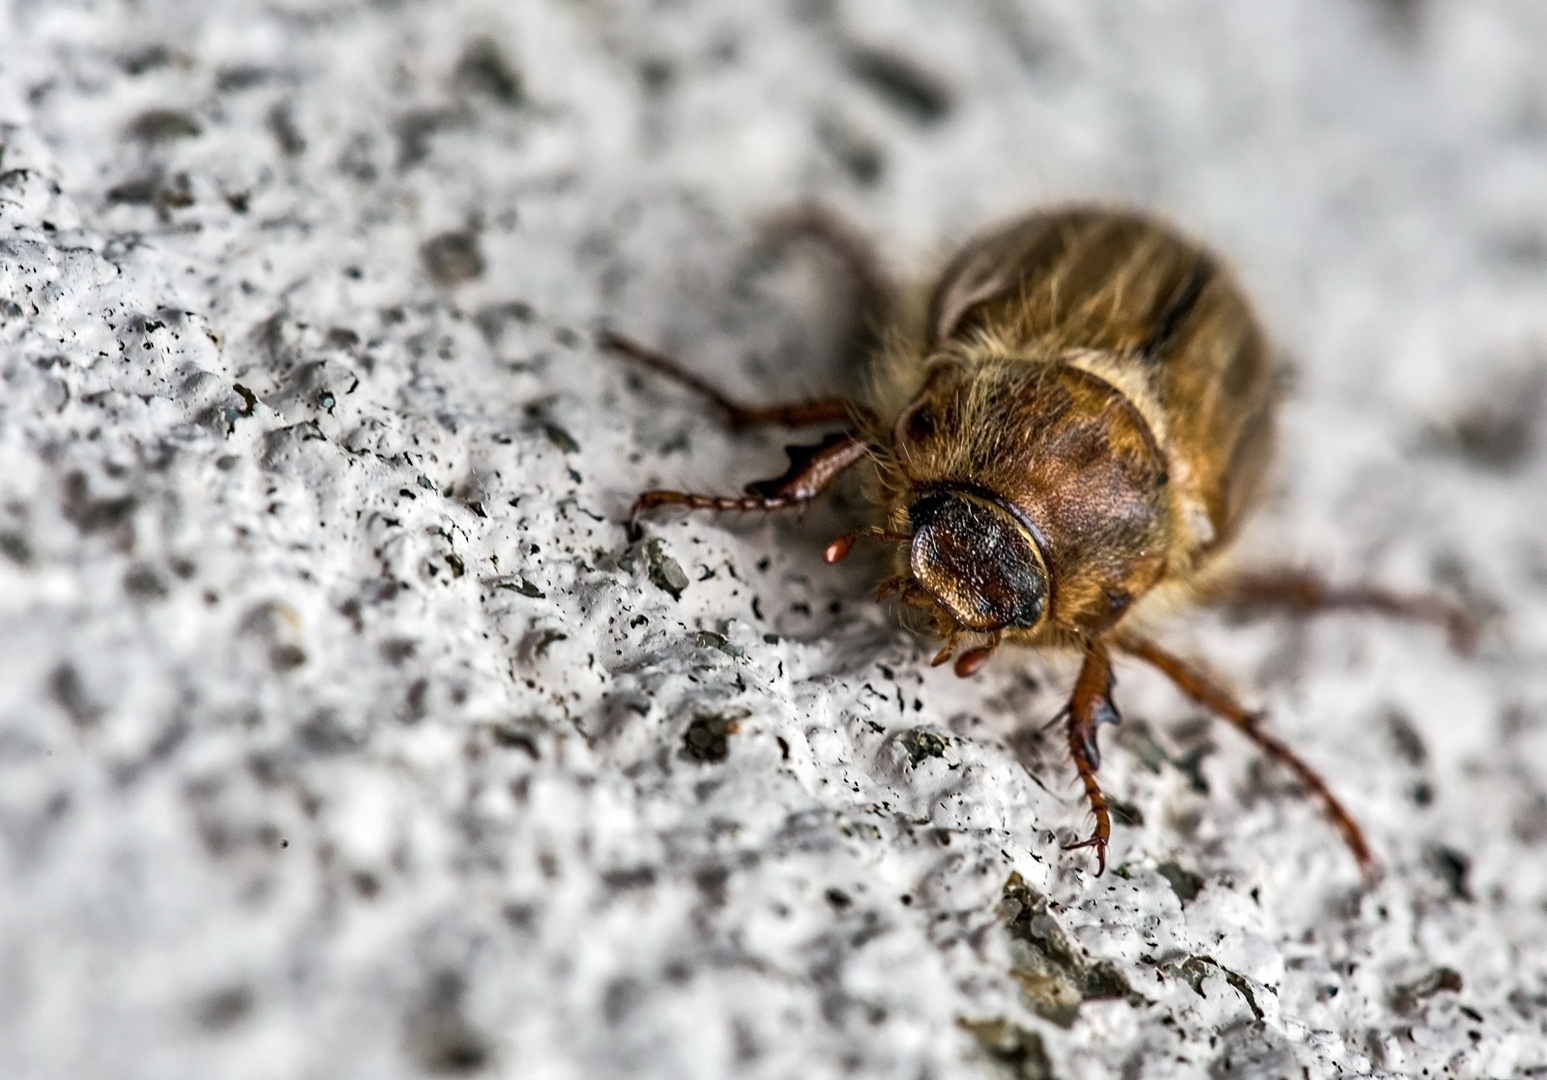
[[1073, 436]]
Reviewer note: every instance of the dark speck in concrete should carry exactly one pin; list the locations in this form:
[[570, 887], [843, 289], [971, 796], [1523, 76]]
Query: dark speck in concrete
[[1186, 884], [707, 738], [484, 69], [452, 258], [163, 126], [902, 83], [440, 1039]]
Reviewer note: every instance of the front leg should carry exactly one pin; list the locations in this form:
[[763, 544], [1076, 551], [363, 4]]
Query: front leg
[[813, 469], [1090, 706]]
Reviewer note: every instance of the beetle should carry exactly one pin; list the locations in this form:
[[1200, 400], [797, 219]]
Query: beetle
[[1063, 445]]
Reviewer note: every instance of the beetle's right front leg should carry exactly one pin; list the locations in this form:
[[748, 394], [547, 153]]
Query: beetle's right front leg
[[1090, 706], [813, 469]]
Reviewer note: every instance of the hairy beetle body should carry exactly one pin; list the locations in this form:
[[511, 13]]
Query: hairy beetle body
[[1081, 419]]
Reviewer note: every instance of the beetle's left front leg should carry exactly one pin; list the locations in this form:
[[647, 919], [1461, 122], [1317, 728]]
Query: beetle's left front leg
[[1090, 706], [813, 469]]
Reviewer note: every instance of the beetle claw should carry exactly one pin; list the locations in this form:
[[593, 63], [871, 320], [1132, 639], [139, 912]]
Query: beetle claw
[[1099, 842]]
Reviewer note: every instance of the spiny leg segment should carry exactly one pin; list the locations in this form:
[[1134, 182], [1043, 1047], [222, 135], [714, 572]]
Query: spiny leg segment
[[1211, 695], [1090, 706], [813, 469]]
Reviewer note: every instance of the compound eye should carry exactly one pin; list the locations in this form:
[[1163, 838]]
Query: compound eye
[[918, 423]]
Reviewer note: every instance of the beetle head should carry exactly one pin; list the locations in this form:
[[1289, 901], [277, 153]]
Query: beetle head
[[979, 560]]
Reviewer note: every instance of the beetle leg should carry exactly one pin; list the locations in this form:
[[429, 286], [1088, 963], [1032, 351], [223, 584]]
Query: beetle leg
[[876, 292], [813, 469], [1090, 706], [1199, 686], [1308, 593], [737, 415]]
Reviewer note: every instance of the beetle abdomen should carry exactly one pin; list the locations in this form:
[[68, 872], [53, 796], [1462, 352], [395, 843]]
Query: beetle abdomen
[[1173, 323]]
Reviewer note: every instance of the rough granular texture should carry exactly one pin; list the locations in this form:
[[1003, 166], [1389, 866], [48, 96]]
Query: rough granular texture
[[344, 734]]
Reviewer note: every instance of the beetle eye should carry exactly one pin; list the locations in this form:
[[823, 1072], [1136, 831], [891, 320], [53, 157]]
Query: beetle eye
[[920, 424]]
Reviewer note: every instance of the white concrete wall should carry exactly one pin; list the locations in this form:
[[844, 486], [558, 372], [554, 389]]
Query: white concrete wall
[[339, 736]]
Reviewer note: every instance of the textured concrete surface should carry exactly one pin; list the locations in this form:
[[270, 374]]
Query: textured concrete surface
[[342, 734]]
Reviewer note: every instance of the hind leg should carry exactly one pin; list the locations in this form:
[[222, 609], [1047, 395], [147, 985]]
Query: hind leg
[[875, 293], [1308, 593], [736, 415], [875, 304], [1203, 689]]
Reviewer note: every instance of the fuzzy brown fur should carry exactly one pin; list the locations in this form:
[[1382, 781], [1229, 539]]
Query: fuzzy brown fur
[[1105, 376]]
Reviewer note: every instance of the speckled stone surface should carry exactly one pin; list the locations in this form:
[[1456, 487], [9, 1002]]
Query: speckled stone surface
[[343, 734]]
